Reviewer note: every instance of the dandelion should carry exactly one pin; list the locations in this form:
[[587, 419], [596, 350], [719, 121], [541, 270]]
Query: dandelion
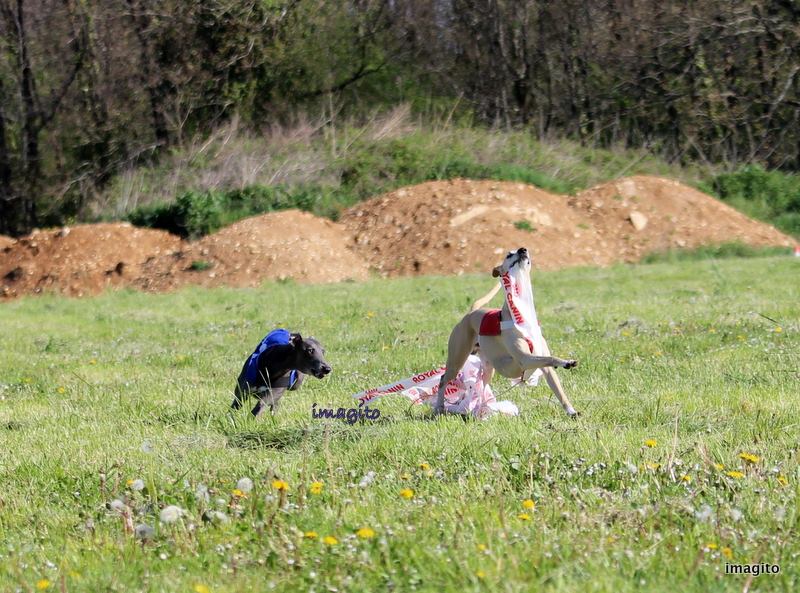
[[528, 504], [42, 584], [734, 474], [727, 552], [200, 588], [480, 574], [749, 457], [366, 533], [368, 478], [118, 506], [686, 478], [481, 547], [245, 485], [316, 488], [170, 514], [405, 476], [778, 330], [524, 517], [280, 485], [719, 467], [329, 540], [407, 493], [370, 314], [782, 480], [711, 546], [93, 361], [650, 443], [424, 466], [136, 485], [61, 390], [237, 493], [311, 535], [144, 532], [653, 466]]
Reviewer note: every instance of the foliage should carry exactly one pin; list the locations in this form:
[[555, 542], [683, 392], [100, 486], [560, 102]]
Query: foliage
[[772, 196]]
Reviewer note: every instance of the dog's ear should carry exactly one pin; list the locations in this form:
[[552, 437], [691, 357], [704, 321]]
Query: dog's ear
[[297, 340], [496, 272]]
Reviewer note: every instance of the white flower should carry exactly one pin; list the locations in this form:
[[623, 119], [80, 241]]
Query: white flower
[[118, 506], [147, 447], [736, 515], [631, 468], [144, 532], [201, 493], [704, 514], [245, 485], [137, 485], [367, 480], [170, 514]]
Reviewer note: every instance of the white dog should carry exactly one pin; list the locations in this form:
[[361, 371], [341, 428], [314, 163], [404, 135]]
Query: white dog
[[501, 343]]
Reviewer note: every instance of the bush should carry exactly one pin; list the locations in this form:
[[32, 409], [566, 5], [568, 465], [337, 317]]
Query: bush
[[195, 214], [771, 196]]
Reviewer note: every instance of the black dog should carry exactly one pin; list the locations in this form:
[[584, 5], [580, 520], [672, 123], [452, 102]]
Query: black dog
[[280, 362]]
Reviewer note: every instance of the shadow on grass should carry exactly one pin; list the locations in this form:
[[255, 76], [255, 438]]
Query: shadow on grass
[[292, 437]]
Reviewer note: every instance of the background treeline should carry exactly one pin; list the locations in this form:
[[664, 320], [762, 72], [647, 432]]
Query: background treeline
[[91, 90]]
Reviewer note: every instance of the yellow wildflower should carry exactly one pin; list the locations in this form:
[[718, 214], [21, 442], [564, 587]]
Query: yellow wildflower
[[370, 314], [782, 480], [686, 478], [407, 493], [480, 574], [238, 493], [42, 584], [749, 457], [310, 535], [653, 466], [366, 533], [329, 540], [61, 390], [528, 504], [524, 517], [711, 546], [280, 485], [200, 588], [316, 488], [719, 467], [405, 476], [734, 474], [481, 547], [778, 330], [727, 552], [650, 443], [424, 466]]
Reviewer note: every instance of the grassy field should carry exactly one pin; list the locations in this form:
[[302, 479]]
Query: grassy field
[[118, 406]]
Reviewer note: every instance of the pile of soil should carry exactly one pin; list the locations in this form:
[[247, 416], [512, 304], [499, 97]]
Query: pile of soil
[[80, 260], [440, 227], [639, 215], [281, 245], [456, 226]]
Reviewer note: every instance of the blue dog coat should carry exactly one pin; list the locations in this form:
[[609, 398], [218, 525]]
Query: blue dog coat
[[277, 337]]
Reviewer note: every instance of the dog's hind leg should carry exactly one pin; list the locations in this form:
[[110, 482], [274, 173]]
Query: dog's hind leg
[[555, 384], [461, 342]]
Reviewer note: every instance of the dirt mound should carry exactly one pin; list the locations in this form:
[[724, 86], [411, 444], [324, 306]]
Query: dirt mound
[[639, 215], [80, 260], [5, 242], [447, 227], [278, 245]]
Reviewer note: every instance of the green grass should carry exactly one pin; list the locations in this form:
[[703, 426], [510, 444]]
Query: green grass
[[701, 356]]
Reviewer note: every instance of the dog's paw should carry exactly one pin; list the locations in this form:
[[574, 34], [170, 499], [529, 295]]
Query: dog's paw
[[570, 364], [574, 415]]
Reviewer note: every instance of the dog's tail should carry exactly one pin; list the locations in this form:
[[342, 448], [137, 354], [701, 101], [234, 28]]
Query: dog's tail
[[485, 298]]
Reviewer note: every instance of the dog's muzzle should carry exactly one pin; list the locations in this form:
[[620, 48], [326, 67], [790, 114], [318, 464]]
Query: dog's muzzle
[[323, 370]]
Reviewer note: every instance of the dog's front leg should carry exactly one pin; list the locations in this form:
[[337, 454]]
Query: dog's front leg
[[238, 396], [460, 344]]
